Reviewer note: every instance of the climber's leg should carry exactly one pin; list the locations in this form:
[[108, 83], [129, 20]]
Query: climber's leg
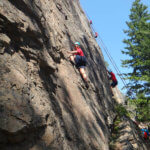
[[112, 91], [113, 84], [82, 72], [72, 59], [84, 76]]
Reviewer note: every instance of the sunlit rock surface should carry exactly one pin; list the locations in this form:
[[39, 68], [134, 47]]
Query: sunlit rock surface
[[44, 104]]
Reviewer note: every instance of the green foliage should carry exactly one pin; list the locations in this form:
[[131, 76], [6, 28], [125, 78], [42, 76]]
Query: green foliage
[[138, 49], [121, 111], [142, 107]]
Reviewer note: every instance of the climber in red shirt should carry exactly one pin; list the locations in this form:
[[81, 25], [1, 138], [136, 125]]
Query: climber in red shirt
[[77, 57], [113, 78]]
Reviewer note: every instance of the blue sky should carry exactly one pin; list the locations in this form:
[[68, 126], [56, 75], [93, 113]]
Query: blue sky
[[109, 17]]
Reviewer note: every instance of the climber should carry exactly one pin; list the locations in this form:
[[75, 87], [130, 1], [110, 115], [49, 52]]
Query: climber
[[112, 77], [145, 133], [96, 34], [78, 59], [90, 21]]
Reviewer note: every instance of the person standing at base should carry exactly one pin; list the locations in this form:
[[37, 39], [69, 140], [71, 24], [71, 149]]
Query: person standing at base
[[77, 57]]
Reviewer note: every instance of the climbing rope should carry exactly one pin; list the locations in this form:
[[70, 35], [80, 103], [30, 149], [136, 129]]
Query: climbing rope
[[112, 61], [99, 39]]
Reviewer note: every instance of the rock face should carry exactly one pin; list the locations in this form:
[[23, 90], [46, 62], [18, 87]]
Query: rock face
[[44, 104], [119, 97], [130, 137]]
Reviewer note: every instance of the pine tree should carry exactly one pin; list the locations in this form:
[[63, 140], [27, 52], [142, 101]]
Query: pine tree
[[138, 49]]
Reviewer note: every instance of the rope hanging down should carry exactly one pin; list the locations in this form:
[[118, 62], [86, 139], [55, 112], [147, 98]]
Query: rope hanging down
[[107, 53]]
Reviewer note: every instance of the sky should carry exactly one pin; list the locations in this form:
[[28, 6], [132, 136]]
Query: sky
[[109, 20]]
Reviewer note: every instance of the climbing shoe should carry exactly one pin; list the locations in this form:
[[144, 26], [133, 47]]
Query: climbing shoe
[[87, 84]]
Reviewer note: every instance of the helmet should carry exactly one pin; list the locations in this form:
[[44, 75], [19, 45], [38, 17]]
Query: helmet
[[77, 43]]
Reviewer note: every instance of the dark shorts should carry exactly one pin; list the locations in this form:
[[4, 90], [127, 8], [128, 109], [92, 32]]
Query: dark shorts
[[80, 61], [114, 83]]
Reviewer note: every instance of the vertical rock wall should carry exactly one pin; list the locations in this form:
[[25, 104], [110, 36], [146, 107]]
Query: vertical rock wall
[[44, 104], [119, 97], [130, 136]]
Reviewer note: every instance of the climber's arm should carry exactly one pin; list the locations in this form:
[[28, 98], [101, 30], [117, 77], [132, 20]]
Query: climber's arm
[[109, 75], [72, 52]]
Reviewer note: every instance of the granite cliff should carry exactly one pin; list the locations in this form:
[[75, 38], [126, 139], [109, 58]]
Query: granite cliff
[[44, 104]]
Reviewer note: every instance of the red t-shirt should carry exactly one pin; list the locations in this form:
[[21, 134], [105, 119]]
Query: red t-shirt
[[79, 52], [113, 77], [145, 135]]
